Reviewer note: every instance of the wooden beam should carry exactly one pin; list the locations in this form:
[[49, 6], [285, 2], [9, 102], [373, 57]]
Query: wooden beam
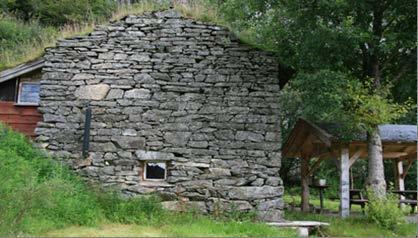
[[408, 166], [399, 179], [394, 154], [318, 133], [315, 166], [21, 69], [344, 183], [355, 157]]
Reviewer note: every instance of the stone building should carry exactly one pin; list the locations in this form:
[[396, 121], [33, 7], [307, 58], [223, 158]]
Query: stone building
[[179, 107]]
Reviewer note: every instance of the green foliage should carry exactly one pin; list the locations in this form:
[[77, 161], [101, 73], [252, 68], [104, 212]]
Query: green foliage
[[353, 226], [59, 13], [192, 225], [134, 210], [37, 193], [331, 96], [230, 212], [371, 107], [384, 211], [18, 38], [14, 32], [336, 37]]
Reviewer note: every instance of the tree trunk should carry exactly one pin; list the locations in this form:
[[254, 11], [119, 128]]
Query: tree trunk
[[304, 168], [376, 179]]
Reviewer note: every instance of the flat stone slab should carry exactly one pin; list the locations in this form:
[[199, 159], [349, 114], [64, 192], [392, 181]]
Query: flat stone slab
[[302, 227], [298, 224]]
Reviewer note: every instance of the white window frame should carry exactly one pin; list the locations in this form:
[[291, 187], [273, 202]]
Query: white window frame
[[155, 162], [19, 94]]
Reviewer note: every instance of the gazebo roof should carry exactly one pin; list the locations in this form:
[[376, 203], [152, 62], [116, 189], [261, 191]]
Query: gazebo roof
[[322, 139], [388, 132]]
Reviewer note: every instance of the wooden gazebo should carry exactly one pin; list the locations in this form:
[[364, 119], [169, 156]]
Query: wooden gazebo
[[309, 141]]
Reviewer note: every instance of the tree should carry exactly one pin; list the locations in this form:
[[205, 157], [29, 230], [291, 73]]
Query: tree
[[357, 49]]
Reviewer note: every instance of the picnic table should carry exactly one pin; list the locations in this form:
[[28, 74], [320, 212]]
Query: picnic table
[[357, 198], [321, 189], [410, 198]]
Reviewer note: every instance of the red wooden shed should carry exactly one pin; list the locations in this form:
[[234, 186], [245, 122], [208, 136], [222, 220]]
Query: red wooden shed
[[19, 97]]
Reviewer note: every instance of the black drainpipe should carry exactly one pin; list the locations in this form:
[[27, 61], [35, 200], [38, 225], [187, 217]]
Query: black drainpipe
[[86, 136]]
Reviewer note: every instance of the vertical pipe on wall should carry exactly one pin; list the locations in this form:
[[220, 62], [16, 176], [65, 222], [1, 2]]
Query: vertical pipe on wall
[[86, 136]]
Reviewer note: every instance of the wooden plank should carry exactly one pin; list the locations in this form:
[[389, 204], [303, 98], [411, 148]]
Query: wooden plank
[[394, 154], [20, 118], [318, 133], [21, 69], [404, 173], [344, 183], [17, 119], [355, 157], [315, 166], [24, 111]]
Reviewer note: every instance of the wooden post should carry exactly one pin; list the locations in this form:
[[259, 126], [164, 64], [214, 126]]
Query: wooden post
[[304, 170], [344, 183], [399, 179]]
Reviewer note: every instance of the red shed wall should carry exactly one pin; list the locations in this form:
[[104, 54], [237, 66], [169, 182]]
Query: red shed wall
[[20, 118]]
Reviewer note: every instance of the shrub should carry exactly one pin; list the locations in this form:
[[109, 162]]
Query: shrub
[[384, 211], [14, 32], [21, 41], [59, 13]]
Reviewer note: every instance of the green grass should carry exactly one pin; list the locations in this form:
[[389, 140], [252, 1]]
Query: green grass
[[32, 48], [40, 196], [199, 228], [331, 205], [354, 226]]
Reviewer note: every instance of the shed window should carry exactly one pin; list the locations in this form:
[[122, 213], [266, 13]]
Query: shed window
[[155, 170], [28, 93], [8, 90]]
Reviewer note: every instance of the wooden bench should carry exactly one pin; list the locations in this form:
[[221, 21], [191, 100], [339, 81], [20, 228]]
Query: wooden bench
[[303, 227], [410, 202], [357, 198], [408, 197]]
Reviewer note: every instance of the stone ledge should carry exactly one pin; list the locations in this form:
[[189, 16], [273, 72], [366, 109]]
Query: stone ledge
[[155, 184]]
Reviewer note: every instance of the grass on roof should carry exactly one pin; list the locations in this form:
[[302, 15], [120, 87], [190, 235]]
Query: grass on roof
[[33, 48]]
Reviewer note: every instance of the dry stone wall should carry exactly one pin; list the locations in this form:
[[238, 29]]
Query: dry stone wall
[[165, 88]]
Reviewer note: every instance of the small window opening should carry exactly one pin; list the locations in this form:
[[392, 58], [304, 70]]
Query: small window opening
[[28, 94], [155, 171]]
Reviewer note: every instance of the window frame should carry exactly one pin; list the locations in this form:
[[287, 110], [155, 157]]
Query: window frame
[[18, 95], [154, 162]]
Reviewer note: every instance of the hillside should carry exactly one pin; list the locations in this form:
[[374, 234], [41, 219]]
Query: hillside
[[23, 41], [39, 194]]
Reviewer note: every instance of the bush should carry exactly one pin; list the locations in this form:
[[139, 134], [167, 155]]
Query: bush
[[384, 211], [14, 32], [59, 13]]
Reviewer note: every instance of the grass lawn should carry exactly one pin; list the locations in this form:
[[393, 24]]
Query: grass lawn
[[354, 226], [199, 227], [330, 205]]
